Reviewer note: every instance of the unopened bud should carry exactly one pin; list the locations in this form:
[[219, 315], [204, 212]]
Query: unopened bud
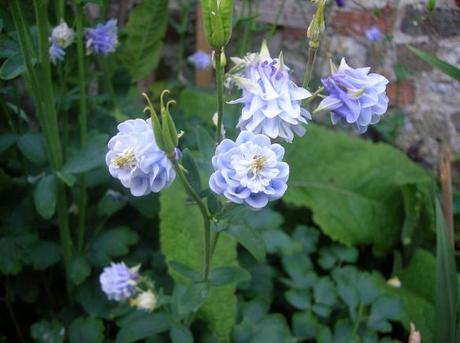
[[217, 20], [317, 25], [145, 301]]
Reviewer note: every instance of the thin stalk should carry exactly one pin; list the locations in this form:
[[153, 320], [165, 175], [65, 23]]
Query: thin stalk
[[205, 214], [247, 27], [310, 64], [220, 95], [83, 197], [183, 29], [277, 18], [313, 96]]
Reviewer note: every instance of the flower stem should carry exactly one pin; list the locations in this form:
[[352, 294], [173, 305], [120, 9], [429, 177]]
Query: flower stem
[[277, 18], [205, 214], [310, 64], [83, 196], [220, 96]]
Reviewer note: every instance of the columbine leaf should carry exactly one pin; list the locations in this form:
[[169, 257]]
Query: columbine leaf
[[88, 330], [249, 238], [89, 157], [45, 196], [112, 243], [33, 146], [140, 324]]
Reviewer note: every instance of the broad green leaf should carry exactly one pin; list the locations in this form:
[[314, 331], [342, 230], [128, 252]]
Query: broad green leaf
[[8, 47], [180, 334], [223, 276], [249, 238], [385, 308], [45, 196], [194, 297], [33, 146], [446, 283], [305, 325], [299, 298], [12, 67], [43, 254], [353, 187], [112, 243], [144, 30], [181, 238], [15, 250], [443, 66], [110, 203], [48, 332], [89, 157], [7, 140], [79, 270], [140, 324], [185, 270], [88, 330]]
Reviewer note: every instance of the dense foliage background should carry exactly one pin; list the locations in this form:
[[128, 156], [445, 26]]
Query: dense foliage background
[[348, 255]]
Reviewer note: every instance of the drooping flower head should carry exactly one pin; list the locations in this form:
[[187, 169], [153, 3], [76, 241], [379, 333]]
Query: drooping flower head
[[136, 160], [200, 60], [373, 34], [147, 301], [118, 281], [102, 39], [249, 170], [62, 35], [272, 101], [355, 96], [56, 52]]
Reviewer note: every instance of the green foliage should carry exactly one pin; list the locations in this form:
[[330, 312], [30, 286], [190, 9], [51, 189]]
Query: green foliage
[[33, 146], [139, 325], [48, 332], [87, 330], [89, 157], [446, 288], [353, 187], [146, 26], [443, 66], [45, 196], [181, 236], [112, 243]]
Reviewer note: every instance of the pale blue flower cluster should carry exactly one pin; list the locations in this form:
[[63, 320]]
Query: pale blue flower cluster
[[355, 96], [61, 37], [136, 160], [102, 39], [373, 34], [200, 60], [272, 101], [249, 170], [118, 281]]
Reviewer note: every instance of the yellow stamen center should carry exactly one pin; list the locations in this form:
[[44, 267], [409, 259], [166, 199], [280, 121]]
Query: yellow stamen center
[[125, 159]]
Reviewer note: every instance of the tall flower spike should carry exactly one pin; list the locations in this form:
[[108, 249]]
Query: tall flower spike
[[102, 39], [118, 281], [250, 170], [136, 160], [272, 101], [355, 96]]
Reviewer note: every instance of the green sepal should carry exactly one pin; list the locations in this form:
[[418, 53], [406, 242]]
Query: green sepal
[[157, 132], [170, 124]]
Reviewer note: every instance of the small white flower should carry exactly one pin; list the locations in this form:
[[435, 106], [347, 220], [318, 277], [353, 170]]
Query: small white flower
[[63, 35], [145, 301]]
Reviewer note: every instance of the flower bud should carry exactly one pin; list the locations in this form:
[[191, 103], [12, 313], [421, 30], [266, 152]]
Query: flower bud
[[217, 20], [168, 129], [317, 26]]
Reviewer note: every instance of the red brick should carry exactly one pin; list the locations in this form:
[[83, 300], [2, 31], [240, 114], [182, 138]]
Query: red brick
[[293, 33], [404, 89], [357, 22]]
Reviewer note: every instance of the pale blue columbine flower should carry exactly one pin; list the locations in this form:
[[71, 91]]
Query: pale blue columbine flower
[[102, 39], [373, 34], [250, 170], [200, 60], [118, 281], [355, 96], [61, 37], [56, 52], [272, 101], [136, 160]]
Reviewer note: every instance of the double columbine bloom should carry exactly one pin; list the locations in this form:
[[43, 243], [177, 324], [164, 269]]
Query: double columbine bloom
[[272, 101], [120, 283], [355, 96], [61, 37], [102, 39], [136, 160], [200, 60]]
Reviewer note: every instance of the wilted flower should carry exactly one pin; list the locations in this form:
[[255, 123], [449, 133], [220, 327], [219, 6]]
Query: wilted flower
[[145, 301], [63, 35], [102, 39], [118, 281], [355, 96], [136, 160], [271, 99], [249, 170], [56, 52], [200, 60], [374, 34]]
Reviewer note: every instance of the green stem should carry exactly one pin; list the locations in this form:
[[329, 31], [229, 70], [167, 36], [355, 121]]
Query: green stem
[[310, 64], [313, 96], [205, 214], [358, 320], [277, 18], [83, 196], [220, 94]]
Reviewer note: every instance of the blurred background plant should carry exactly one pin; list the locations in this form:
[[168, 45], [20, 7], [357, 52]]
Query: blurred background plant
[[348, 255]]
